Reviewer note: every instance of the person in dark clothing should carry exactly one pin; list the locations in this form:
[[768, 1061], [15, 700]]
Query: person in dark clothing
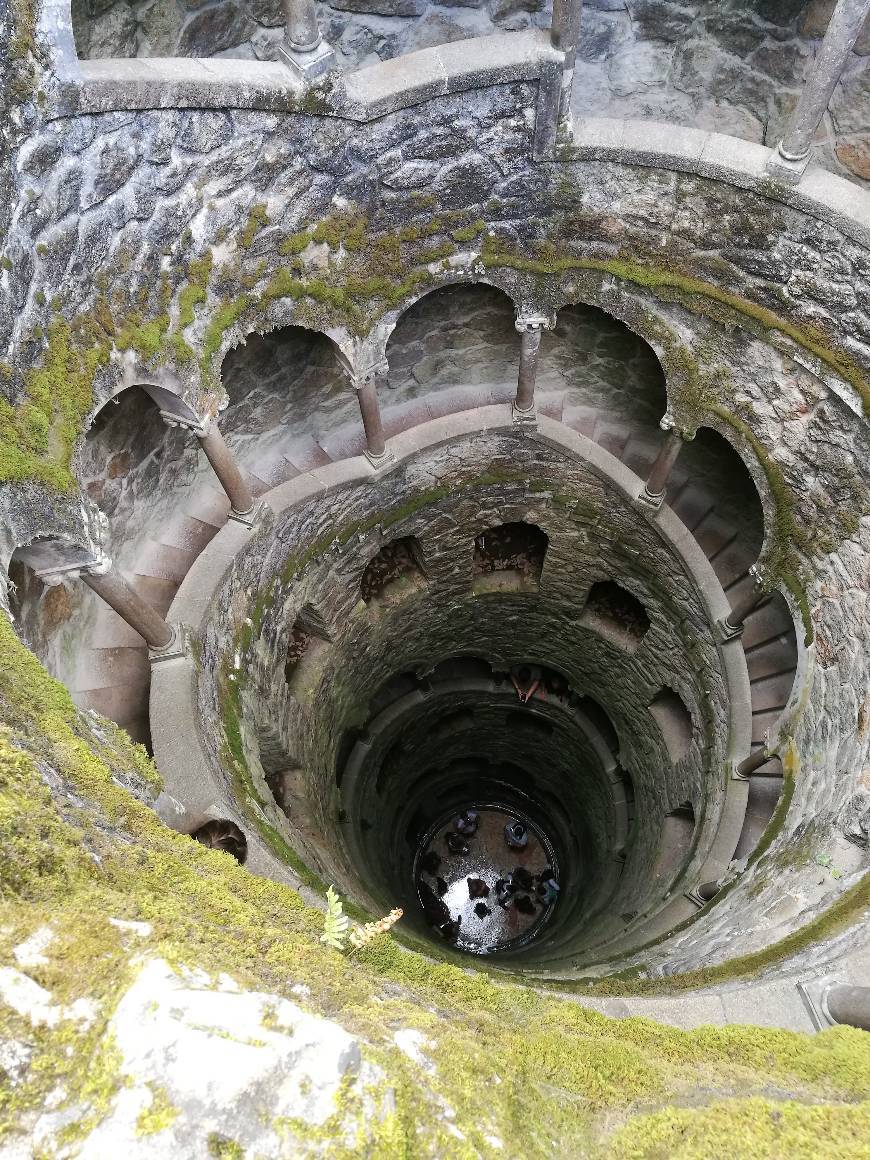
[[524, 904], [522, 879], [435, 910], [477, 888], [504, 891], [482, 910], [450, 930], [430, 862], [516, 836], [456, 844], [467, 823], [441, 887]]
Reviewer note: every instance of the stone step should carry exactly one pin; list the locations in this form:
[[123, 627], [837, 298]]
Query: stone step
[[639, 455], [103, 668], [764, 726], [184, 531], [765, 623], [774, 656], [714, 535], [109, 630], [692, 504], [159, 591], [164, 561], [769, 693], [120, 703], [208, 505], [344, 443], [733, 562], [581, 419], [763, 796], [613, 437]]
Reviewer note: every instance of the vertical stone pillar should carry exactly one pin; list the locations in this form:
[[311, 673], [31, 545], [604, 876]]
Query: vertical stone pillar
[[303, 47], [845, 1004], [657, 480], [791, 156], [226, 469], [243, 506], [530, 328], [733, 622], [110, 585], [554, 85], [370, 410]]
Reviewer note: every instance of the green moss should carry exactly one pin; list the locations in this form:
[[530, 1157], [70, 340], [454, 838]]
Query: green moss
[[468, 233], [258, 218], [160, 1114], [5, 263], [223, 1148]]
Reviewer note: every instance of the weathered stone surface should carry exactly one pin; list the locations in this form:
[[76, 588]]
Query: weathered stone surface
[[214, 30], [855, 155], [113, 33]]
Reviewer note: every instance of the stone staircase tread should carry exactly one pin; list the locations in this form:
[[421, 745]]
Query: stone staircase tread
[[766, 623], [185, 531], [771, 692], [305, 455], [344, 443], [714, 535], [581, 419], [692, 504], [733, 561], [110, 630], [103, 668], [164, 561], [120, 703], [775, 656], [764, 725], [210, 506], [157, 590]]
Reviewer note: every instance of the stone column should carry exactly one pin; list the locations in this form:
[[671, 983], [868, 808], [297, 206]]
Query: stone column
[[530, 327], [565, 28], [226, 469], [845, 1004], [110, 585], [657, 480], [733, 622], [370, 409], [556, 77], [303, 47], [754, 761], [243, 506], [791, 156]]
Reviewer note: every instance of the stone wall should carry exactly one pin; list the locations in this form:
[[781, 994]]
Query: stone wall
[[736, 67]]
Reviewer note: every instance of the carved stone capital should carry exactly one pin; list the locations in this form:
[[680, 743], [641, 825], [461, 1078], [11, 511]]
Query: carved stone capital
[[199, 427], [526, 322]]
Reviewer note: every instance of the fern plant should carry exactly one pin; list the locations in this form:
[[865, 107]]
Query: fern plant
[[335, 922]]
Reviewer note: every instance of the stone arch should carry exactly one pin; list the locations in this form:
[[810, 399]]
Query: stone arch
[[517, 546], [388, 323], [455, 345]]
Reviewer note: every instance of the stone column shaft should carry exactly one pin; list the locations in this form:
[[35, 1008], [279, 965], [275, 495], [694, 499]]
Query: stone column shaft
[[565, 28], [659, 473], [129, 605], [735, 618], [227, 470], [530, 347], [753, 762], [302, 30], [370, 409], [849, 1005], [845, 25]]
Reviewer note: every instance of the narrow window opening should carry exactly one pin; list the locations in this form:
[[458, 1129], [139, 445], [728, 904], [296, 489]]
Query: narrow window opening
[[616, 614], [674, 721], [509, 556], [306, 649], [394, 572]]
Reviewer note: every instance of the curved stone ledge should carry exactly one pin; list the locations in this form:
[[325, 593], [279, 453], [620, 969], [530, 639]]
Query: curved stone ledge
[[178, 749], [107, 85]]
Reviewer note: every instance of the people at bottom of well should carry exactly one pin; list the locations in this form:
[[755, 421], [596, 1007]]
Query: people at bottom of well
[[456, 844], [467, 823], [547, 889], [504, 890], [516, 836]]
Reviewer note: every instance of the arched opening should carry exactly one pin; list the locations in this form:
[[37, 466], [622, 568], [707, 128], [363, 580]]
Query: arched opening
[[394, 572], [290, 408], [224, 835], [616, 614], [307, 646], [604, 381], [509, 555], [678, 831], [457, 348], [674, 721], [713, 493]]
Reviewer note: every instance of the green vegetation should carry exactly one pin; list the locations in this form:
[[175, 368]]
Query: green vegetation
[[560, 1079], [159, 1115]]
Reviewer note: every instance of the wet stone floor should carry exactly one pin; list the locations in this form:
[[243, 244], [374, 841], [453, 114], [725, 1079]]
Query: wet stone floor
[[459, 888]]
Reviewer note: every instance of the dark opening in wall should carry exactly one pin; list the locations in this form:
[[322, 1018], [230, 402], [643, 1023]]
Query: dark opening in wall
[[452, 723], [516, 550], [306, 648], [601, 720], [224, 835], [395, 571], [528, 722], [616, 614], [678, 830], [675, 722]]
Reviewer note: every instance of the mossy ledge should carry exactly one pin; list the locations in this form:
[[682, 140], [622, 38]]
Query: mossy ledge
[[561, 1078]]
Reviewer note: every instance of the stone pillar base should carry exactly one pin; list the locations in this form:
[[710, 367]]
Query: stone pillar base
[[728, 632], [813, 994], [786, 170], [527, 419], [177, 648], [379, 461], [308, 66], [249, 519], [649, 500]]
